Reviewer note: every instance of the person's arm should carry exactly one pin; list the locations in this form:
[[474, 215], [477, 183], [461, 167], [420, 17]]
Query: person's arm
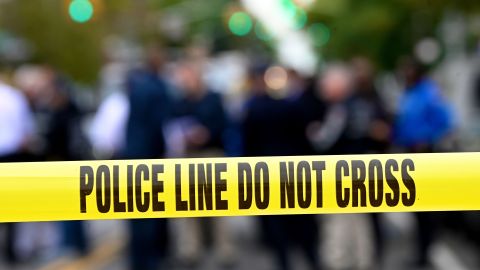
[[248, 133], [440, 119], [161, 111], [381, 127], [26, 124], [218, 124]]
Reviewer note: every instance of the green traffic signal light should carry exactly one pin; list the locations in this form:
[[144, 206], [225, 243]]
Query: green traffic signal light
[[240, 23], [81, 11]]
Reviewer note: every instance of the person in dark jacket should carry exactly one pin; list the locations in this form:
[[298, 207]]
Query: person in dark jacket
[[204, 108], [203, 120], [369, 130], [65, 140], [352, 112], [273, 127], [149, 109], [423, 120], [369, 127]]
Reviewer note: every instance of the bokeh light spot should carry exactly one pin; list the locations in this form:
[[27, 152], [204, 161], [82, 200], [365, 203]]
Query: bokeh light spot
[[428, 50], [320, 34], [81, 11], [276, 78], [240, 23]]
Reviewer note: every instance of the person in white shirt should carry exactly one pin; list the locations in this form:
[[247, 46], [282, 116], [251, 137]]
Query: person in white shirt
[[16, 129], [16, 122], [107, 130]]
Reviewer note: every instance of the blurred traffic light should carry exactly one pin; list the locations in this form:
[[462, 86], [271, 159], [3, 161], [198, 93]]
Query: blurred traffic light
[[80, 11], [240, 23]]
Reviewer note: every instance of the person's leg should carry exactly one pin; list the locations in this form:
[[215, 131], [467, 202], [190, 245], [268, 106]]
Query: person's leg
[[304, 229], [74, 236], [277, 234], [223, 243], [162, 238], [378, 236], [11, 256], [188, 240], [363, 241], [26, 238], [337, 240], [11, 228], [424, 236], [146, 242]]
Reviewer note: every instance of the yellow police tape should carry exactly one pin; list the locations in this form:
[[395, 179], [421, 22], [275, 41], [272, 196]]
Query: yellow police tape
[[87, 190]]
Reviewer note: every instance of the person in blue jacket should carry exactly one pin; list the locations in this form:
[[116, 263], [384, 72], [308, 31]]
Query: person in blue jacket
[[424, 119]]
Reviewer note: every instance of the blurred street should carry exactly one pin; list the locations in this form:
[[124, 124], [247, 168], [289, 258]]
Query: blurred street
[[449, 252]]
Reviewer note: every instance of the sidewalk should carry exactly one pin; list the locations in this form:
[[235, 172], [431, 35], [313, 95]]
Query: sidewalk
[[450, 252]]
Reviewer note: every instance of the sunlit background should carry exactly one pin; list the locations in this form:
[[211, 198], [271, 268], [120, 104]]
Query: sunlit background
[[301, 33], [233, 49]]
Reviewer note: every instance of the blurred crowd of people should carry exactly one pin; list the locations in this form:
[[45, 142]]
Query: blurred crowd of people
[[166, 108]]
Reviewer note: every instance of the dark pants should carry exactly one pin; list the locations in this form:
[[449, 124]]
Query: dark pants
[[425, 234], [378, 235], [74, 236], [9, 245], [283, 232], [427, 227], [148, 241]]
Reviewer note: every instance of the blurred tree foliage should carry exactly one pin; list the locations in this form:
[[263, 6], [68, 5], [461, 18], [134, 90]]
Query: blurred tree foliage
[[380, 29], [55, 38], [76, 48]]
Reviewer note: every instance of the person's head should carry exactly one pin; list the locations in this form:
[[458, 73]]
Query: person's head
[[256, 78], [189, 79], [60, 88], [335, 84], [38, 83], [297, 82], [411, 71], [154, 57], [33, 81], [363, 74]]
